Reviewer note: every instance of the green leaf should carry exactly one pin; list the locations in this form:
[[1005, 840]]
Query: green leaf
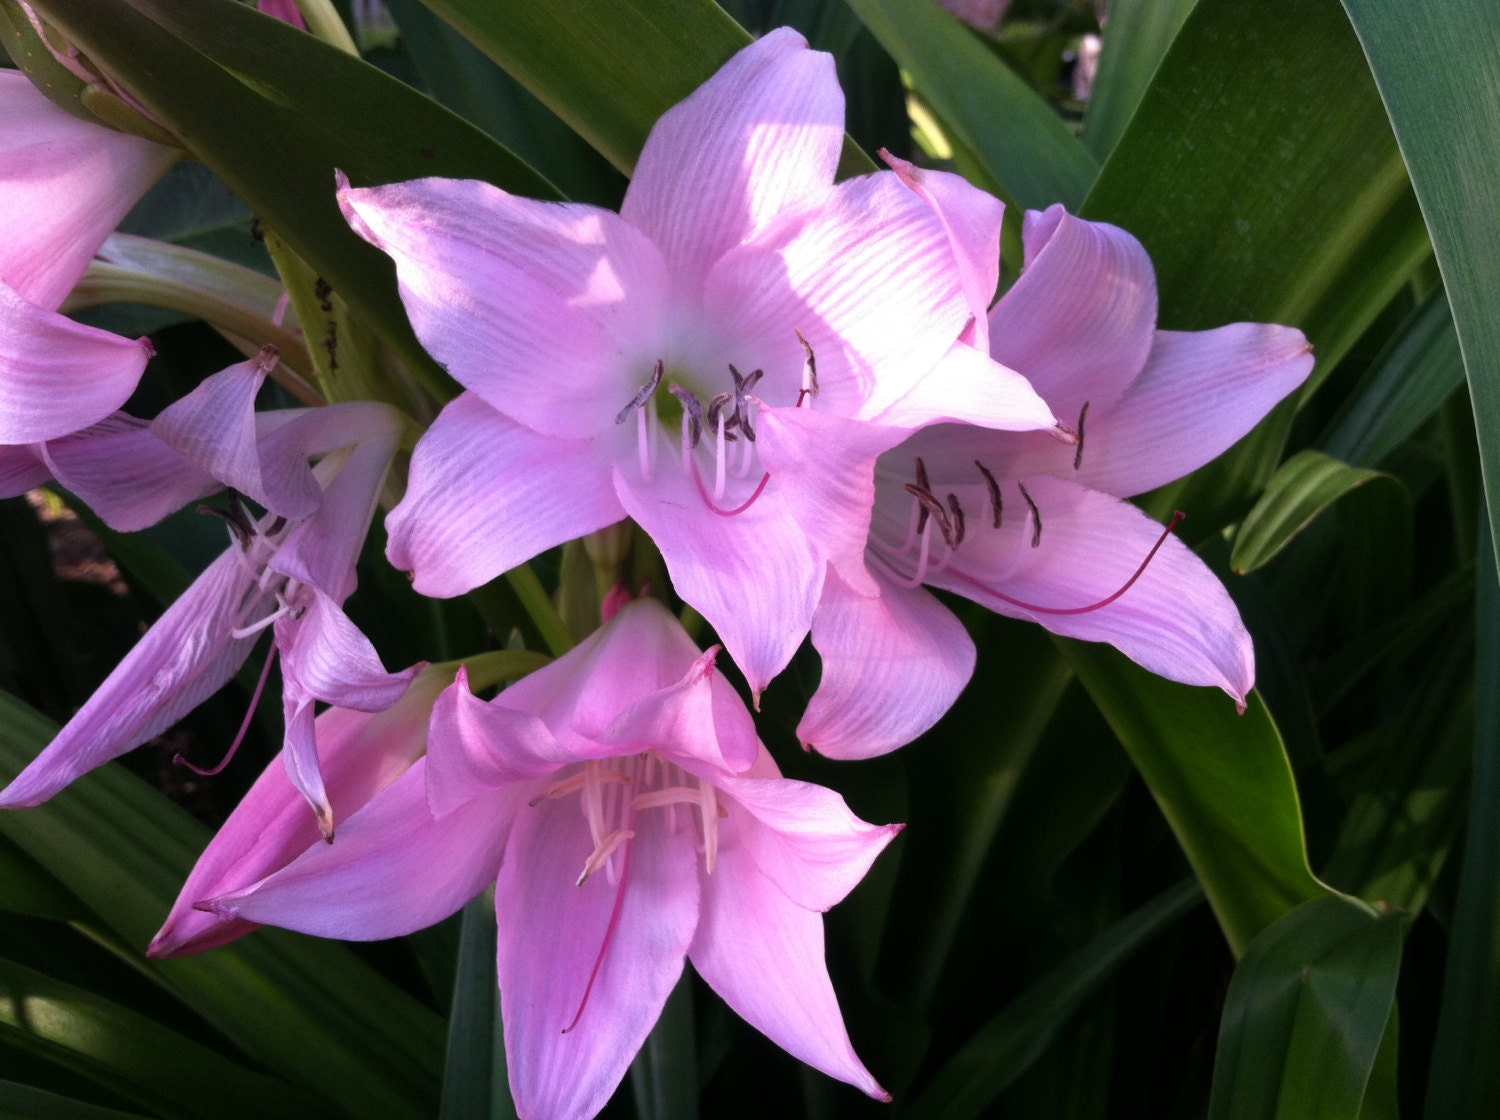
[[308, 1010], [27, 888], [1135, 39], [1438, 70], [1007, 1045], [1305, 1013], [1018, 138], [474, 1081], [1301, 489], [1222, 780], [130, 1054], [23, 1102], [274, 111]]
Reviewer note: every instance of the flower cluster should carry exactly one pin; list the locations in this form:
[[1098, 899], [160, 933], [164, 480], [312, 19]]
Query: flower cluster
[[801, 391]]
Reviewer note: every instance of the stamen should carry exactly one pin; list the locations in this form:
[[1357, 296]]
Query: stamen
[[937, 510], [644, 395], [1078, 455], [260, 686], [958, 520], [240, 632], [1036, 517], [643, 428], [599, 855], [927, 489], [692, 412], [719, 462], [809, 370], [997, 504]]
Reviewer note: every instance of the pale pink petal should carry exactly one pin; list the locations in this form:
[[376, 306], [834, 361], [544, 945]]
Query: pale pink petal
[[754, 575], [478, 504], [893, 663], [549, 311], [969, 387], [868, 278], [124, 473], [66, 183], [21, 469], [571, 1029], [299, 755], [972, 219], [763, 954], [477, 747], [1176, 620], [392, 870], [57, 376], [700, 717], [1078, 322], [326, 655], [759, 137], [359, 755], [214, 428], [1199, 393], [181, 661]]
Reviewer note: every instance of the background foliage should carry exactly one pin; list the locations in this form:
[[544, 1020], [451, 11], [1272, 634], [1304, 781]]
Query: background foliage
[[1115, 897]]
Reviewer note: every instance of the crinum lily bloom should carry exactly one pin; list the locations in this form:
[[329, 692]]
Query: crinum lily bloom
[[722, 361], [629, 818], [1040, 531], [65, 183], [291, 570]]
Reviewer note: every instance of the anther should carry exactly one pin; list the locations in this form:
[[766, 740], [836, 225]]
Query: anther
[[936, 509], [692, 408], [997, 504], [1078, 455], [644, 395], [715, 407], [809, 370], [1036, 516], [958, 520], [926, 488]]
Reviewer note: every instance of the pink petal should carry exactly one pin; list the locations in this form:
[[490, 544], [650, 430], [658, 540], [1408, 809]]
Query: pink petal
[[1176, 620], [549, 311], [124, 473], [57, 376], [181, 661], [477, 503], [570, 1033], [1079, 321], [392, 870], [1199, 393], [754, 576], [359, 755], [969, 387], [972, 220], [867, 276], [478, 747], [325, 655], [21, 469], [66, 183], [759, 137], [763, 954], [893, 663]]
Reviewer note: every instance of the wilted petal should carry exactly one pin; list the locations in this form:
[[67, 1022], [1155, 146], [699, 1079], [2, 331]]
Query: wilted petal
[[584, 970], [544, 309], [57, 376], [759, 137], [893, 663], [476, 504], [763, 954], [392, 870]]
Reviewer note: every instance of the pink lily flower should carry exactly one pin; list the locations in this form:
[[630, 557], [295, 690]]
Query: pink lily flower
[[629, 818], [290, 570], [1036, 530], [359, 754], [65, 183], [722, 361]]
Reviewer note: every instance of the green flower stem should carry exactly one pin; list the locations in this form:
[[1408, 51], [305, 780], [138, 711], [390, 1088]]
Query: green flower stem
[[539, 606], [323, 22]]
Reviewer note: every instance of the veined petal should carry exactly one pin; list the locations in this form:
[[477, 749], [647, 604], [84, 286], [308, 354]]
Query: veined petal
[[477, 747], [181, 661], [893, 663], [1078, 322], [549, 311], [761, 136], [57, 376], [585, 969], [1175, 620], [868, 278], [125, 474], [392, 870], [67, 183], [359, 754], [21, 469], [1199, 393], [477, 504], [325, 655], [753, 575], [763, 954], [969, 387]]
